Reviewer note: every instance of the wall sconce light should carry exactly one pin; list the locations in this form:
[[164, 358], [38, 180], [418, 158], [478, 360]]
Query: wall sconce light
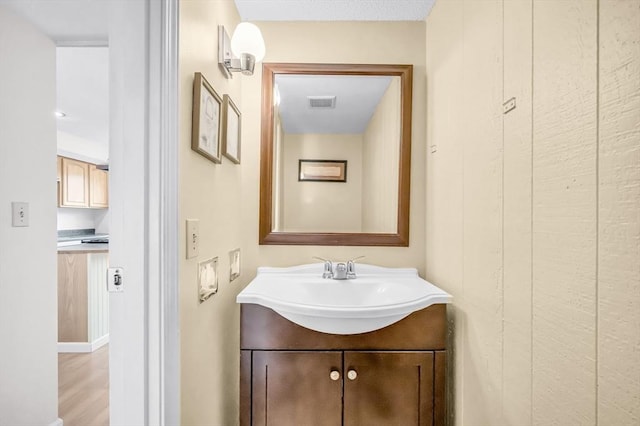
[[242, 51]]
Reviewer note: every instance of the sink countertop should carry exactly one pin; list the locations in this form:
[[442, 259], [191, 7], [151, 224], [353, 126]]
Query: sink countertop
[[84, 248]]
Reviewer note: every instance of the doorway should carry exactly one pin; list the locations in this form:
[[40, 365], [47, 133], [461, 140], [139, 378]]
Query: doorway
[[143, 341], [82, 118]]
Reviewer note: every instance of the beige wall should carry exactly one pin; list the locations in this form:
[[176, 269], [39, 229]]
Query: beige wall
[[341, 42], [380, 155], [225, 197], [532, 217], [214, 194], [322, 206]]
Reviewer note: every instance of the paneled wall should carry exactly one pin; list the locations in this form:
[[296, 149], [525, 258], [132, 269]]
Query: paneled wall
[[532, 216]]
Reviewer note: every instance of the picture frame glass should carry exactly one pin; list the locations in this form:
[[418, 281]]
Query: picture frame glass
[[231, 132], [207, 120], [232, 136]]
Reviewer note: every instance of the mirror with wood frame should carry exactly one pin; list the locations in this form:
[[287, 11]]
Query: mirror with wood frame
[[335, 154]]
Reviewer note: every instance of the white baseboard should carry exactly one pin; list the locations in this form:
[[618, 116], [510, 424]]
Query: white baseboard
[[57, 422], [82, 347]]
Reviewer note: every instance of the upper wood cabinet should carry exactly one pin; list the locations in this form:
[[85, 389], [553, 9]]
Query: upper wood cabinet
[[74, 183], [98, 187], [82, 184]]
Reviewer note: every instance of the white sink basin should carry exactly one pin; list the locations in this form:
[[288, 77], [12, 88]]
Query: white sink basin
[[378, 297]]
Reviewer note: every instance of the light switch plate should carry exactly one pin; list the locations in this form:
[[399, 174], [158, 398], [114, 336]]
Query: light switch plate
[[193, 238], [19, 214]]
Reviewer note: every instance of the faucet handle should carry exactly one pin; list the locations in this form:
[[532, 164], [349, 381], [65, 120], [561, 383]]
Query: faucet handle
[[328, 267], [351, 267]]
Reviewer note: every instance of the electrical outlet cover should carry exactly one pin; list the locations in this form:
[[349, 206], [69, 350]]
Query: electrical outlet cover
[[234, 264], [207, 278]]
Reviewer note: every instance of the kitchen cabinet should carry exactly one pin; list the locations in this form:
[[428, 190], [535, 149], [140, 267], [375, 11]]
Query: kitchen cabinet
[[83, 300], [291, 375], [98, 187], [82, 184], [74, 183], [59, 179]]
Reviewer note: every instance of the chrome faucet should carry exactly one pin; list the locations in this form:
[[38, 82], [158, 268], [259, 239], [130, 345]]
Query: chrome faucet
[[343, 270]]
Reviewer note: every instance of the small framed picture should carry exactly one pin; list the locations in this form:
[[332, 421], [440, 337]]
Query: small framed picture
[[231, 120], [322, 170], [207, 278], [206, 119], [234, 264]]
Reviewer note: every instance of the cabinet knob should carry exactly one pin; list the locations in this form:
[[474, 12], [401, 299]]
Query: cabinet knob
[[335, 375], [352, 374]]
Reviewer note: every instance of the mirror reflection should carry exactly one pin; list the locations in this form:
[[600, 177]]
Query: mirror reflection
[[335, 162], [353, 119]]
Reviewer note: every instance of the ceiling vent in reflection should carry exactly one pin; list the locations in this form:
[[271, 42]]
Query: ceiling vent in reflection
[[322, 101]]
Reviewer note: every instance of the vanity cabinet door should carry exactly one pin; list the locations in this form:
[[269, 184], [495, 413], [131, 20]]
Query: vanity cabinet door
[[388, 388], [297, 388]]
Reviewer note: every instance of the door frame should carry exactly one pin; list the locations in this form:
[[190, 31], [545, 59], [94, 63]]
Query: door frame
[[144, 318]]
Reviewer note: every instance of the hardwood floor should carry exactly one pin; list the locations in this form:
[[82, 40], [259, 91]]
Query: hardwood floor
[[83, 388]]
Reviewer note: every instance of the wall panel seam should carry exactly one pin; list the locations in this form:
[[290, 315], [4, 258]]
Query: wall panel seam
[[502, 337], [531, 354], [597, 212]]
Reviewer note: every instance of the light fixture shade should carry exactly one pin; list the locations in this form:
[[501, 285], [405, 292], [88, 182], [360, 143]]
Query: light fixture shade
[[247, 38]]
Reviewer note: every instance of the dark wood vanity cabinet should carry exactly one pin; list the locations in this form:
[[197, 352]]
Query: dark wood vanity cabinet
[[294, 376]]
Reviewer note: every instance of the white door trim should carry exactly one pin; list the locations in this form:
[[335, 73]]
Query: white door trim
[[164, 342], [144, 329]]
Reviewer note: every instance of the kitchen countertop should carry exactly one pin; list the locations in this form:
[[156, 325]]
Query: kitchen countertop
[[84, 248]]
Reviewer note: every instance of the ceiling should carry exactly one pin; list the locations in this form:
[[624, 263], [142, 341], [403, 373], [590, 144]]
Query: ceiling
[[66, 21], [334, 10], [82, 76], [356, 100]]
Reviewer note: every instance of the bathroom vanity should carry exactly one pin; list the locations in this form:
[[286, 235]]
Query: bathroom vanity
[[364, 351], [291, 375]]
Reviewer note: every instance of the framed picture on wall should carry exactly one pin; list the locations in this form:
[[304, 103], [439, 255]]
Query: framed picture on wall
[[206, 119], [231, 119], [322, 170]]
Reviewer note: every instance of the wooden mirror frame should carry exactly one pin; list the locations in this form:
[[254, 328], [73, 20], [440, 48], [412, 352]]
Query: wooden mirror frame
[[269, 237]]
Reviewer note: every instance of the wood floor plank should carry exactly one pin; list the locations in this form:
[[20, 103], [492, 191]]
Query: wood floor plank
[[83, 388]]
